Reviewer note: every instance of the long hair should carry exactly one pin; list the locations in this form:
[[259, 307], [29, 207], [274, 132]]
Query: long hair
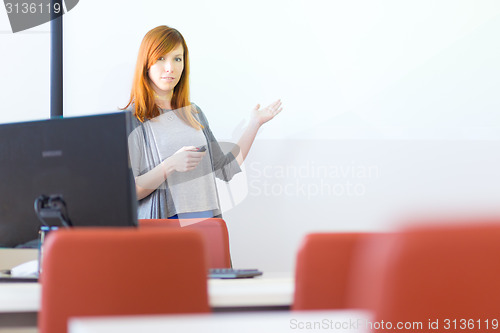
[[156, 43]]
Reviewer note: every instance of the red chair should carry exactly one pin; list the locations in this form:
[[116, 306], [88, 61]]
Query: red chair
[[444, 276], [113, 271], [213, 230], [322, 270]]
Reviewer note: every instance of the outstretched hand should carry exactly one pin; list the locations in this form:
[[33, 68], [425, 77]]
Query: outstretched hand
[[263, 115]]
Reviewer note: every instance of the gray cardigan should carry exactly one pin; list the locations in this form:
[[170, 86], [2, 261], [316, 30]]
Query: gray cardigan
[[155, 205]]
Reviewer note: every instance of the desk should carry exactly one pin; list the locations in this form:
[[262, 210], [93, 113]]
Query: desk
[[262, 322], [20, 302], [13, 257], [271, 290]]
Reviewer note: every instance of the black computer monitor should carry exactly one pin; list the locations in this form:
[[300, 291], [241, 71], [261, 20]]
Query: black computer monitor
[[83, 160]]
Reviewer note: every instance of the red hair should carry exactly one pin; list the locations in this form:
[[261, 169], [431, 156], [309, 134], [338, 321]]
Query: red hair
[[156, 43]]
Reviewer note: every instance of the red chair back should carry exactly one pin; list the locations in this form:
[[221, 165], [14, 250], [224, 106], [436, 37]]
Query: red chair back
[[213, 231], [322, 269], [93, 272], [433, 275]]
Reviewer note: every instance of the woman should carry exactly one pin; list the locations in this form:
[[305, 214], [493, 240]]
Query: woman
[[174, 155]]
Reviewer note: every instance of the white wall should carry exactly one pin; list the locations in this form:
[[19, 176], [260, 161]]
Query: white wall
[[391, 107], [24, 72], [346, 69]]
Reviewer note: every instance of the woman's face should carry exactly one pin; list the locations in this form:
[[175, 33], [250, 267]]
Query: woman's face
[[167, 71]]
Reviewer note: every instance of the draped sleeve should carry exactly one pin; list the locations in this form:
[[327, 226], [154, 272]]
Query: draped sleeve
[[224, 163]]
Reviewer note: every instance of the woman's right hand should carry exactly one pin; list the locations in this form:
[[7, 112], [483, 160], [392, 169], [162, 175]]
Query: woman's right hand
[[185, 159]]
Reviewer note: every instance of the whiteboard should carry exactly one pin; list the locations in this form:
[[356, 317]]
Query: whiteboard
[[391, 107]]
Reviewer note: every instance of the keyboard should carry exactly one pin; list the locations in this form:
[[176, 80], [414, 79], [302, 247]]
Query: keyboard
[[215, 273], [6, 277], [231, 273]]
